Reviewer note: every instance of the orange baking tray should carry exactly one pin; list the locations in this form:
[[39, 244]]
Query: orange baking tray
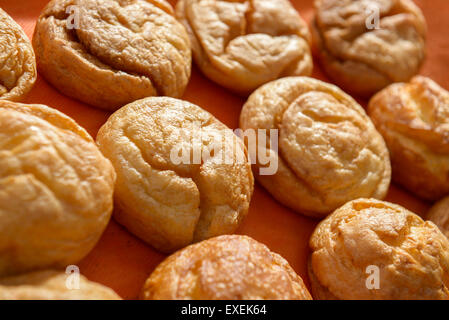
[[122, 261]]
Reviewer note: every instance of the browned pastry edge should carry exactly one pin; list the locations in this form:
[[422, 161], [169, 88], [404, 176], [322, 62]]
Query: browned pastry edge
[[318, 291]]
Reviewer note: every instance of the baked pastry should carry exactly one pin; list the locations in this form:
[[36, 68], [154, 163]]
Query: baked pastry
[[411, 256], [163, 197], [363, 55], [17, 60], [328, 152], [414, 121], [225, 268], [108, 53], [244, 44], [56, 189], [52, 285], [439, 214]]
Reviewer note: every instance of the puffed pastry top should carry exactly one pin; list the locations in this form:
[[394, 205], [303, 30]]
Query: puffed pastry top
[[226, 267], [411, 255], [413, 118]]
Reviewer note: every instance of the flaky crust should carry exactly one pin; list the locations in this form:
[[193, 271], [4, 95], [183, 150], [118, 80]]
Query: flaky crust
[[166, 204], [439, 214], [225, 268], [412, 255], [364, 61], [52, 285], [120, 52], [329, 151], [55, 189], [414, 121], [244, 44], [17, 61]]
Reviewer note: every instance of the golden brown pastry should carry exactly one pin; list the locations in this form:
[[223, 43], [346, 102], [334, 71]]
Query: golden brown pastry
[[414, 121], [169, 201], [363, 57], [52, 285], [411, 256], [244, 44], [225, 268], [108, 53], [17, 60], [439, 214], [56, 189], [328, 152]]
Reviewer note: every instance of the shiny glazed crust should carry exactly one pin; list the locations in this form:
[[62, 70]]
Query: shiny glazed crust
[[17, 61], [52, 285], [414, 121], [329, 151], [225, 268], [412, 256], [166, 202], [55, 189], [120, 51], [244, 44], [364, 61]]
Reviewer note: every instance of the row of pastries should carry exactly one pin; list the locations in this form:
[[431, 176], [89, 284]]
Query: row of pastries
[[335, 160]]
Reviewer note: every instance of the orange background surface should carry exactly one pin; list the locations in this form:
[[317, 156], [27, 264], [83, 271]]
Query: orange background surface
[[123, 262]]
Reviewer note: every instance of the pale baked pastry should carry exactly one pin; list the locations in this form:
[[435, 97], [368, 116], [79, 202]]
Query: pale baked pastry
[[439, 214], [244, 44], [225, 268], [362, 57], [52, 285], [411, 256], [108, 53], [17, 60], [167, 201], [328, 152], [414, 121], [56, 189]]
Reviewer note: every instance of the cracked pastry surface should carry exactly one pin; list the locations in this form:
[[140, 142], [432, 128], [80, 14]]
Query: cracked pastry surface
[[17, 61], [439, 214], [108, 53], [225, 268], [244, 44], [56, 189], [51, 285], [329, 152], [170, 202], [363, 60], [414, 121], [412, 255]]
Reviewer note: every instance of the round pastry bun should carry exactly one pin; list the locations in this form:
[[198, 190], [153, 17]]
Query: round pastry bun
[[225, 268], [244, 44], [413, 118], [370, 249], [329, 152], [168, 201], [363, 46], [52, 285], [108, 53], [18, 63], [56, 189]]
